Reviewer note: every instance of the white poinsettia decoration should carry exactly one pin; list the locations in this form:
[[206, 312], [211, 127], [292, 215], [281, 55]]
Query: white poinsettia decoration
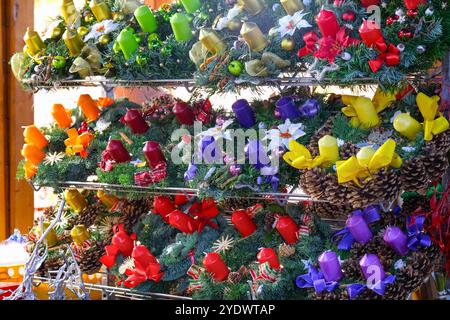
[[284, 134], [101, 28], [219, 132], [289, 24], [53, 158]]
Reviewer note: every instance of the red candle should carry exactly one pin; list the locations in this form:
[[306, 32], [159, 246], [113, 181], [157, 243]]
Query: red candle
[[163, 206], [184, 113], [215, 265], [243, 223], [183, 222], [117, 151], [153, 154], [269, 255], [136, 122], [368, 3], [370, 32], [414, 4], [288, 229], [328, 23]]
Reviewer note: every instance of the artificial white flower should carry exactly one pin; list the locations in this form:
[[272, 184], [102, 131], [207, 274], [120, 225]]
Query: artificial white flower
[[289, 24], [54, 24], [340, 142], [54, 158], [399, 264], [219, 132], [101, 28], [284, 134], [409, 149]]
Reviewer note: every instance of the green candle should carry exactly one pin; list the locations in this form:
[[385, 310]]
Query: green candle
[[181, 28], [146, 19], [191, 5], [127, 43]]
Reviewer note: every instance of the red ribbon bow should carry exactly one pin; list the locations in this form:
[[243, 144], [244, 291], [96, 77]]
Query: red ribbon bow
[[202, 111], [144, 179], [146, 267], [390, 55], [205, 212], [310, 39]]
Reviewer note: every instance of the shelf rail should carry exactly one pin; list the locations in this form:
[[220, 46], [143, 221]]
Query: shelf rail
[[294, 195]]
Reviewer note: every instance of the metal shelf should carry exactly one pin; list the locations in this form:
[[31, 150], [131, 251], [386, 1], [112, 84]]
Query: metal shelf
[[122, 293], [294, 195], [298, 81]]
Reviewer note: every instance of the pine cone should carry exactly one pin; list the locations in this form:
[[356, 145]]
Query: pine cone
[[414, 175], [233, 204], [313, 182], [269, 220], [351, 269], [436, 165], [325, 295], [286, 250], [89, 262], [439, 145], [49, 213], [51, 264], [328, 210], [132, 211], [234, 277], [89, 216], [348, 150]]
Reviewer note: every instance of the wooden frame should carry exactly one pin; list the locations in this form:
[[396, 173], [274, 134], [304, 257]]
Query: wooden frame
[[16, 197]]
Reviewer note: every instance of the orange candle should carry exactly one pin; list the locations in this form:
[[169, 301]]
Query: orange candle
[[35, 137], [33, 154], [61, 116], [89, 107]]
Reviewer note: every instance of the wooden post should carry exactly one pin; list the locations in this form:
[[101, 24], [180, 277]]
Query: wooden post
[[17, 112]]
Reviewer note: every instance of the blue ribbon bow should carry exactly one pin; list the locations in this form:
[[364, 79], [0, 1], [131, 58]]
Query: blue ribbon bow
[[416, 234], [379, 288], [315, 279], [370, 215]]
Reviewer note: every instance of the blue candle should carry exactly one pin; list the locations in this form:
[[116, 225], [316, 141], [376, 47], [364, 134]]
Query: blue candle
[[287, 109], [244, 113]]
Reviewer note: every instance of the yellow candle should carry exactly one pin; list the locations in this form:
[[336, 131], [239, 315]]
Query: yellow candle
[[366, 112], [73, 42], [407, 126], [89, 107], [33, 154], [75, 200], [108, 200], [34, 42], [212, 41], [35, 137], [80, 234], [69, 12], [329, 150], [365, 155], [253, 7], [253, 36], [292, 6], [100, 10], [61, 116], [52, 238]]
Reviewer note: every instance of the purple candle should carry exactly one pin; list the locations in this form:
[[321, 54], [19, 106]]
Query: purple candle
[[134, 120], [257, 154], [117, 151], [397, 240], [359, 228], [330, 266], [287, 109], [244, 113], [371, 267]]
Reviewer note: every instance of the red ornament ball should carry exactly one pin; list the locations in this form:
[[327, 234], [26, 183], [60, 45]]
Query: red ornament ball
[[405, 34], [390, 20], [412, 12], [348, 16]]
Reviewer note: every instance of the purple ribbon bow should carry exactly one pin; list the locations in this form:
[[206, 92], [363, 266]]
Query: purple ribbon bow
[[310, 108], [370, 214], [379, 288], [191, 172], [315, 279], [416, 234]]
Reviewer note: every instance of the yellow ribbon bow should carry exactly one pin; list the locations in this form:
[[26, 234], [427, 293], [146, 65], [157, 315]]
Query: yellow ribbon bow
[[364, 111], [77, 144], [428, 107], [367, 162]]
